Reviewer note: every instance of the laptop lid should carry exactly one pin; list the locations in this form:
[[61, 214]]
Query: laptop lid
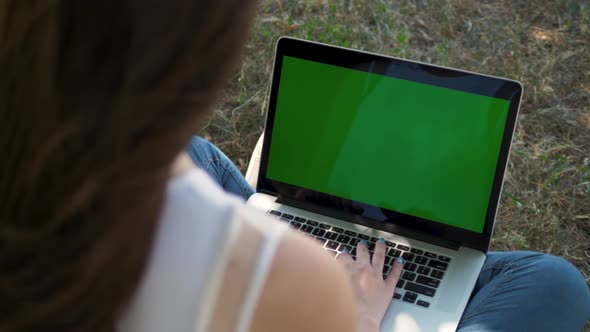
[[392, 144]]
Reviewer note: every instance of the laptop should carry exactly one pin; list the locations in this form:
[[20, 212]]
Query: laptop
[[365, 146]]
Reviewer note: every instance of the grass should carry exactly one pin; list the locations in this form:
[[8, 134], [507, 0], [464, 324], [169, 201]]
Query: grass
[[545, 44]]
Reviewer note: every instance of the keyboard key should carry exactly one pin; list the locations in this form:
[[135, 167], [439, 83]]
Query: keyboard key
[[287, 216], [344, 247], [299, 219], [394, 253], [343, 238], [332, 245], [420, 289], [411, 294], [295, 225], [306, 228], [400, 283], [430, 254], [423, 270], [350, 233], [364, 237], [421, 260], [397, 296], [371, 246], [423, 304], [318, 232], [416, 251], [444, 259], [284, 220], [390, 244], [374, 239], [331, 236], [410, 297], [275, 213], [387, 260], [437, 274], [438, 265], [324, 226], [410, 267], [408, 256], [409, 276], [402, 247], [337, 230], [313, 223], [427, 281], [353, 242]]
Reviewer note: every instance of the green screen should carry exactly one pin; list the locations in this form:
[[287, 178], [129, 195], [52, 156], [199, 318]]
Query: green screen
[[409, 147]]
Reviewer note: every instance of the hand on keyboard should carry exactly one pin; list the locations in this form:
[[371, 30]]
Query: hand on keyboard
[[373, 294]]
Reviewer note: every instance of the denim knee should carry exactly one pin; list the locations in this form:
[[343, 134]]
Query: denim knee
[[200, 144], [560, 279], [201, 151]]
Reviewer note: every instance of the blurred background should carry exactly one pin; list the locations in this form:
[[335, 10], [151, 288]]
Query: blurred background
[[545, 44]]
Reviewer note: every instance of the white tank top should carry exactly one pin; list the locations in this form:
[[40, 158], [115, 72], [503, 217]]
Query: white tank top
[[209, 262]]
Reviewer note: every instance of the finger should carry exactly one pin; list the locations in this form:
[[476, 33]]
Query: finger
[[362, 252], [345, 258], [379, 256], [395, 273]]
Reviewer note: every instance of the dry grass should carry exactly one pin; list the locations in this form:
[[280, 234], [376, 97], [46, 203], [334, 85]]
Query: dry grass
[[545, 44]]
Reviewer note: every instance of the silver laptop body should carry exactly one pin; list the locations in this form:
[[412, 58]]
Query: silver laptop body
[[443, 257]]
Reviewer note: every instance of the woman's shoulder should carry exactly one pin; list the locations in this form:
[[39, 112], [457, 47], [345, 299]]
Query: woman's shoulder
[[306, 290], [274, 279], [218, 265], [294, 283]]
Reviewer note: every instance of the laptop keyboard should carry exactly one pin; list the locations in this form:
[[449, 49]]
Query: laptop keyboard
[[422, 272]]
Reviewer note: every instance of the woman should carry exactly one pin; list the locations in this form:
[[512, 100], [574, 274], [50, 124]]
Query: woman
[[105, 224]]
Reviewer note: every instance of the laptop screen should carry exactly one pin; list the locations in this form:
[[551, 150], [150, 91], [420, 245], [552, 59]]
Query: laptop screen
[[391, 143]]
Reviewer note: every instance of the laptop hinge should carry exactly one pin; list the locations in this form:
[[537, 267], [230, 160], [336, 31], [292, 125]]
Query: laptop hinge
[[382, 226]]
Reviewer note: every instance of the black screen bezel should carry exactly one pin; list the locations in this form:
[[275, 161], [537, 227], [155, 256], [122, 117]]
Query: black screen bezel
[[414, 71]]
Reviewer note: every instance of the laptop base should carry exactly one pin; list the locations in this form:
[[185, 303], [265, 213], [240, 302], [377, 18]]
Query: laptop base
[[405, 314]]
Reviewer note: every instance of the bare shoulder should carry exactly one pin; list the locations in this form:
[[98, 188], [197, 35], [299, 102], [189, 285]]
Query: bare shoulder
[[306, 290]]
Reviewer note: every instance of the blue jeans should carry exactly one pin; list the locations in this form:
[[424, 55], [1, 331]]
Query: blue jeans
[[209, 158], [515, 291]]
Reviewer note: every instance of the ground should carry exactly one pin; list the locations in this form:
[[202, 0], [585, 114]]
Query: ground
[[545, 44]]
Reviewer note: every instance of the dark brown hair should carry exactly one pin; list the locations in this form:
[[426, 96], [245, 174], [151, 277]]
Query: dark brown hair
[[97, 98]]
